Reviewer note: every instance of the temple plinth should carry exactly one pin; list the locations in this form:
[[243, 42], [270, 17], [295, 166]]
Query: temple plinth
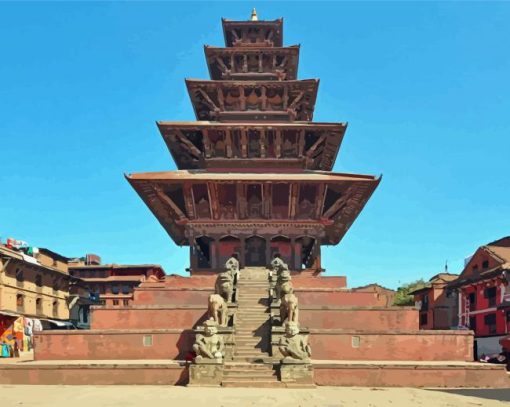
[[254, 172]]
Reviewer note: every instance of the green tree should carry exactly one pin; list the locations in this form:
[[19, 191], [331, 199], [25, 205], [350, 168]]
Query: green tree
[[402, 297]]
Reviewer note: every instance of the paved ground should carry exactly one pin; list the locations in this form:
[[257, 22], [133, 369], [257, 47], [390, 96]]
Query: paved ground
[[159, 396]]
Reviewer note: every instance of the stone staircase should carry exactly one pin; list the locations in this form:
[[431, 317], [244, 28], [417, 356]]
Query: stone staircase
[[251, 365]]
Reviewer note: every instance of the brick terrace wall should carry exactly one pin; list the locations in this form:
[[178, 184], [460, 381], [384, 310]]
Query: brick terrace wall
[[148, 317], [111, 345], [358, 318], [408, 345], [381, 375], [171, 296], [331, 297], [299, 281]]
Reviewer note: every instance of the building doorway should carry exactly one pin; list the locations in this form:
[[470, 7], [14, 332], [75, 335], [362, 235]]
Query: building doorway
[[255, 252]]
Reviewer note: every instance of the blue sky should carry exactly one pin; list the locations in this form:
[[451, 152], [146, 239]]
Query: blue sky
[[424, 87]]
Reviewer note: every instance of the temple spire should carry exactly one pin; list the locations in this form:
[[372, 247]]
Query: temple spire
[[254, 16]]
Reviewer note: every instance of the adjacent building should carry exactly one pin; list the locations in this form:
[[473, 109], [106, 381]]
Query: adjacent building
[[113, 284], [483, 300], [437, 304]]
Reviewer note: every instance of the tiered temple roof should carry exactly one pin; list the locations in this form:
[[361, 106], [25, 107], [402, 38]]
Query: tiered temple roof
[[253, 172]]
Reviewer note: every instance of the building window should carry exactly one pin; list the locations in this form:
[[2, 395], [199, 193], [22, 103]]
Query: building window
[[475, 268], [55, 308], [38, 280], [490, 322], [472, 323], [115, 302], [125, 302], [425, 303], [472, 300], [85, 314], [19, 275], [20, 300], [490, 294], [508, 316], [485, 264], [424, 319], [115, 289], [38, 306], [55, 285], [126, 289]]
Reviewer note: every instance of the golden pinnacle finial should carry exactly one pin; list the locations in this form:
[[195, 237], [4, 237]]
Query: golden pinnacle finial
[[254, 15]]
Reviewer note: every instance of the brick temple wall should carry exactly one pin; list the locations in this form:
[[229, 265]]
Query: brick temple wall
[[359, 318]]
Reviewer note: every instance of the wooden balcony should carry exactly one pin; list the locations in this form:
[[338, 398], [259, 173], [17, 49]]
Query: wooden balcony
[[252, 63], [264, 101]]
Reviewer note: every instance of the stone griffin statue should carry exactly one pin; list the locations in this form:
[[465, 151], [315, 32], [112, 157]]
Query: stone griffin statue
[[283, 282], [217, 309], [210, 345], [232, 267], [289, 311], [293, 346], [224, 286], [278, 266]]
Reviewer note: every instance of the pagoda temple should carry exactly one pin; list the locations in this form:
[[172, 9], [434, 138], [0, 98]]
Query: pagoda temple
[[254, 171], [255, 178]]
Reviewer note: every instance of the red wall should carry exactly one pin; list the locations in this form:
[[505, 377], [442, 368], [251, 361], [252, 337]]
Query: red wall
[[363, 319], [111, 345], [482, 304], [172, 296], [412, 345], [331, 297], [140, 317]]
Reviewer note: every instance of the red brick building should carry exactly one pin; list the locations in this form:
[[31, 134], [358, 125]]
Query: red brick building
[[438, 306], [484, 304], [115, 283]]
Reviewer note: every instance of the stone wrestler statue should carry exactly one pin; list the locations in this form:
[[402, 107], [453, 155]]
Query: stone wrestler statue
[[209, 346]]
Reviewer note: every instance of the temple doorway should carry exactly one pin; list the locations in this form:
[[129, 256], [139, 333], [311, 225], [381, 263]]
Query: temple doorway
[[255, 252]]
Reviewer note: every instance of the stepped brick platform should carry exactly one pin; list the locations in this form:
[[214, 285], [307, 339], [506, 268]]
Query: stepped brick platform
[[326, 373]]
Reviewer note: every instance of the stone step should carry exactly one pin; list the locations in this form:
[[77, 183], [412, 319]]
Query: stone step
[[246, 365], [252, 383], [267, 374]]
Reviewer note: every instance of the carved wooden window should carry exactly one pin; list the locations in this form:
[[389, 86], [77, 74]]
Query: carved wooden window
[[227, 200], [54, 308], [280, 201], [254, 200], [253, 144], [289, 146], [306, 204], [201, 199], [217, 140], [38, 280]]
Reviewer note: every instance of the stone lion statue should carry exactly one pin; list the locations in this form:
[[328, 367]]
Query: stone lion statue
[[210, 345], [293, 346], [283, 282], [224, 286], [217, 309]]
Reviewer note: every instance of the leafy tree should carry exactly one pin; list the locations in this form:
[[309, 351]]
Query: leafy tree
[[402, 297]]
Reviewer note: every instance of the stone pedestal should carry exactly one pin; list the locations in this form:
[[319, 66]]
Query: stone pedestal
[[294, 371], [206, 373]]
